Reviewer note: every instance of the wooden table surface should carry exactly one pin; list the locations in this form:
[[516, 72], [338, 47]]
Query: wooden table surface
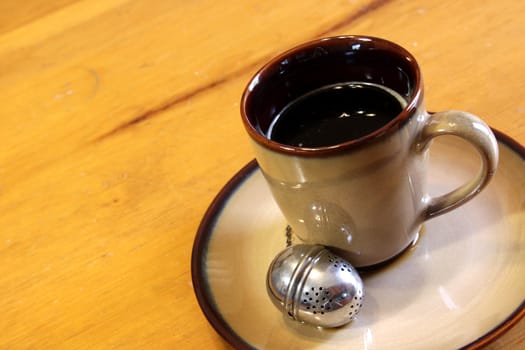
[[120, 123]]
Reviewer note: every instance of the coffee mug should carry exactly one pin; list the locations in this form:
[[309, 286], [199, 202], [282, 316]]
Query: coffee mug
[[341, 135]]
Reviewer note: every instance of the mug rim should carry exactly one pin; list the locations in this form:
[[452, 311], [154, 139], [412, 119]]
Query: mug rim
[[392, 126]]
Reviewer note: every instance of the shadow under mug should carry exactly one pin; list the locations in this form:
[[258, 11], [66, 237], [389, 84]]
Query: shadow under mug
[[365, 198]]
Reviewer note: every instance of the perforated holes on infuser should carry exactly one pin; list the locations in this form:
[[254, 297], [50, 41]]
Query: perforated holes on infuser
[[315, 299], [334, 261]]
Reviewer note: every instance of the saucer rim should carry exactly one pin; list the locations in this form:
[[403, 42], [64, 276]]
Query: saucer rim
[[213, 213], [200, 245]]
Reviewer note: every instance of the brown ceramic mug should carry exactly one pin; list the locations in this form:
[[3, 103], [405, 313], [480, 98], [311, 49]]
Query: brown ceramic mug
[[359, 188]]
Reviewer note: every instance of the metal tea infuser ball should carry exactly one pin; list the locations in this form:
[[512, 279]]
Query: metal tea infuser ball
[[312, 285]]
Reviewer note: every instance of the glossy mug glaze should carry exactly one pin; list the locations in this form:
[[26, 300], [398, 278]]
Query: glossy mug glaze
[[364, 198]]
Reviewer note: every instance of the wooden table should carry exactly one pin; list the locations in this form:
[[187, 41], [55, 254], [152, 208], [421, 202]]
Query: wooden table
[[120, 123]]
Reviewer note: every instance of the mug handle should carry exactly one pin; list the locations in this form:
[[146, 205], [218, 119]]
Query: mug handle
[[475, 131]]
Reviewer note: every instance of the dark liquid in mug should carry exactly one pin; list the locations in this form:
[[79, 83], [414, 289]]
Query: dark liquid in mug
[[335, 114]]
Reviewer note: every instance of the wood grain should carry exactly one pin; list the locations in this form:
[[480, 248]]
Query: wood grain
[[120, 123]]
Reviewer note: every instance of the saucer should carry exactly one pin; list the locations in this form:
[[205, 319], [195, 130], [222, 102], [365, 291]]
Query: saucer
[[460, 286]]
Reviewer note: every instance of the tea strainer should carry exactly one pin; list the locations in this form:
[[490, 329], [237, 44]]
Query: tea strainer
[[312, 285]]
